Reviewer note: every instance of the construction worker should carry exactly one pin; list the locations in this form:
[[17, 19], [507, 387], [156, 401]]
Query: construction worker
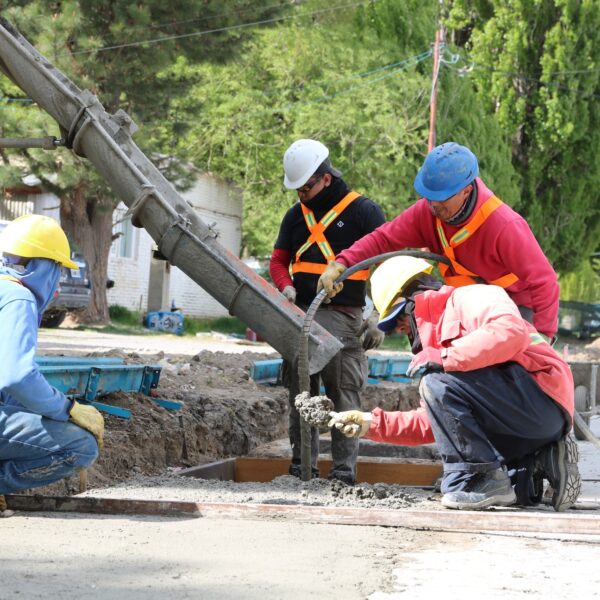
[[485, 240], [44, 436], [328, 218], [495, 396]]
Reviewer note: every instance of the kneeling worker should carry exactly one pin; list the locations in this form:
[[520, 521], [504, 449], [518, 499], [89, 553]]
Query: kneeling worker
[[44, 436], [495, 396]]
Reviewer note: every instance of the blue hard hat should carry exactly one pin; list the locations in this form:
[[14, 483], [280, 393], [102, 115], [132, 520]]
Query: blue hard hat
[[447, 169]]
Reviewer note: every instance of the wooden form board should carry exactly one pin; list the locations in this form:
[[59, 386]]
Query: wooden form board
[[369, 470]]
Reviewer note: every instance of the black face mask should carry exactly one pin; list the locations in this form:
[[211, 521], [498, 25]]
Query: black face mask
[[413, 335], [327, 197]]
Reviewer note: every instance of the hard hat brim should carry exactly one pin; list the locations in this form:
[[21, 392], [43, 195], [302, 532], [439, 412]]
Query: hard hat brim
[[388, 323]]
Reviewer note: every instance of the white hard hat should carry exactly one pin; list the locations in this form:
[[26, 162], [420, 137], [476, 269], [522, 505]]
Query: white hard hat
[[301, 160]]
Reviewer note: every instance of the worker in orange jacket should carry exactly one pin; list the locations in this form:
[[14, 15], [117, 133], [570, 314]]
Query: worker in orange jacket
[[495, 396]]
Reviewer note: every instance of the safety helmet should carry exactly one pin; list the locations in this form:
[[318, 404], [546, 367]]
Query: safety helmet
[[391, 278], [301, 160], [36, 236], [447, 169]]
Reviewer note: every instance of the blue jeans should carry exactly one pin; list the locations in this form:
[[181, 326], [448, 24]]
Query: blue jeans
[[487, 418], [35, 451]]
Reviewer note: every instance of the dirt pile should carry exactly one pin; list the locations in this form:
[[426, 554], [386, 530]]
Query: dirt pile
[[224, 413]]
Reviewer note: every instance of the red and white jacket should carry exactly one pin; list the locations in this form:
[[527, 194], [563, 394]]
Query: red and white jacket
[[480, 326]]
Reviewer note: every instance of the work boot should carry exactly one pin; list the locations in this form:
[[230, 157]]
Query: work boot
[[4, 511], [484, 489], [296, 470], [346, 478], [558, 463]]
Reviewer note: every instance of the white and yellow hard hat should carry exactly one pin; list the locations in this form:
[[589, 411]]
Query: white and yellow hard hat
[[391, 278], [36, 236]]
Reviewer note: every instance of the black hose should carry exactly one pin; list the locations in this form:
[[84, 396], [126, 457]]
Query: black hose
[[303, 372]]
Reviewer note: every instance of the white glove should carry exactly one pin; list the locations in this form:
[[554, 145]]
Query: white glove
[[352, 423], [289, 291], [372, 335]]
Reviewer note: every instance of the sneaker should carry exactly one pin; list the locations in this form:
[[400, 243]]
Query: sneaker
[[483, 490], [296, 471], [558, 463]]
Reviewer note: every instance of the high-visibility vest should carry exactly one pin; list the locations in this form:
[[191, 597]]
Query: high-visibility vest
[[317, 236], [464, 276]]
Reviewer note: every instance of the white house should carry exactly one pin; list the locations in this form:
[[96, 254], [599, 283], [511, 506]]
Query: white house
[[142, 282]]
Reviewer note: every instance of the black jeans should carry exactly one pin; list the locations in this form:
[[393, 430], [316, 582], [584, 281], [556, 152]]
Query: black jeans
[[486, 418]]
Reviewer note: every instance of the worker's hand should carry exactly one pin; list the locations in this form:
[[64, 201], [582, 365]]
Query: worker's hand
[[352, 423], [426, 361], [327, 279], [372, 336], [90, 419], [289, 291]]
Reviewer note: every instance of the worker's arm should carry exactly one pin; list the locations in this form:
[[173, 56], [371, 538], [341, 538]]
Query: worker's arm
[[279, 268], [490, 327], [20, 378], [408, 428], [523, 256], [405, 231]]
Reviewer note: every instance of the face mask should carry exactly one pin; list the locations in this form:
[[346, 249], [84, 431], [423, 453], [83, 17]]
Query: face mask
[[41, 277]]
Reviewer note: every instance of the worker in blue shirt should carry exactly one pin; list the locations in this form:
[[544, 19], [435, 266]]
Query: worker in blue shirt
[[44, 436]]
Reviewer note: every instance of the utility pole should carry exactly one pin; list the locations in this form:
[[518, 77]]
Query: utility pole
[[434, 80]]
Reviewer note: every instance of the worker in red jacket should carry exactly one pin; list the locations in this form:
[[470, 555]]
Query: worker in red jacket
[[460, 217], [328, 218], [494, 394]]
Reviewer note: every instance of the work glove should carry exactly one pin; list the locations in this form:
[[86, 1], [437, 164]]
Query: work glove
[[426, 361], [372, 335], [289, 291], [327, 279], [352, 423], [89, 418]]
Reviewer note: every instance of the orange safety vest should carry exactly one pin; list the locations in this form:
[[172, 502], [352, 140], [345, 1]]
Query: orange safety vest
[[317, 236], [464, 276]]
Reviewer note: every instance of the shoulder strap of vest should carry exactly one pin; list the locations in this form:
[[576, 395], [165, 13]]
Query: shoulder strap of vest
[[464, 276], [317, 230]]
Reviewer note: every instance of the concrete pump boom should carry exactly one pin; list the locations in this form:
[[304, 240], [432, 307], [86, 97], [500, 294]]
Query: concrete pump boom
[[182, 237]]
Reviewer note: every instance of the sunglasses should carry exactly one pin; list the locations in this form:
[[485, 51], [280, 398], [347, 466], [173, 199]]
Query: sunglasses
[[309, 185]]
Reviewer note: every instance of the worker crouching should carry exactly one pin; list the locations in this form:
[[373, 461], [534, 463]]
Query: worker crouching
[[44, 436], [495, 396]]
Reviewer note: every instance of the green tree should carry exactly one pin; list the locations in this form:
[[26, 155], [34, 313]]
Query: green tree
[[534, 65], [116, 49], [322, 76]]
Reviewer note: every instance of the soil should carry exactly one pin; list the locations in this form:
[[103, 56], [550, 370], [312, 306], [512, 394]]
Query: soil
[[225, 413]]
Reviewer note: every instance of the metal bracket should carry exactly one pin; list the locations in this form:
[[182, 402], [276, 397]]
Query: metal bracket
[[138, 204]]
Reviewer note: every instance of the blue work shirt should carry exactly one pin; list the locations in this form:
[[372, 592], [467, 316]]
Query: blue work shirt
[[21, 382]]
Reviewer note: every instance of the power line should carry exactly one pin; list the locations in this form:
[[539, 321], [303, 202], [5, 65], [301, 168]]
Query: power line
[[473, 65], [217, 30]]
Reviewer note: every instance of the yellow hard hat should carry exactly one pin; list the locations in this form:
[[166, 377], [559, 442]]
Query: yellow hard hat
[[36, 236], [391, 277]]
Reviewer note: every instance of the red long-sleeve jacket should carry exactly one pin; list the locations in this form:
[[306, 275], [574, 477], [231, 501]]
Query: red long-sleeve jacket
[[479, 326], [503, 244]]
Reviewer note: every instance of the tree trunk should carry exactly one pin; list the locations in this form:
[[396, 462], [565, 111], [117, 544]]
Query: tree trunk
[[87, 220]]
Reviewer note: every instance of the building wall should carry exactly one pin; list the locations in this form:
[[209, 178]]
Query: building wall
[[219, 206]]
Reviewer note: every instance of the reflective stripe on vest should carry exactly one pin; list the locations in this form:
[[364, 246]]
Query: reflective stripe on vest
[[317, 236], [464, 276]]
